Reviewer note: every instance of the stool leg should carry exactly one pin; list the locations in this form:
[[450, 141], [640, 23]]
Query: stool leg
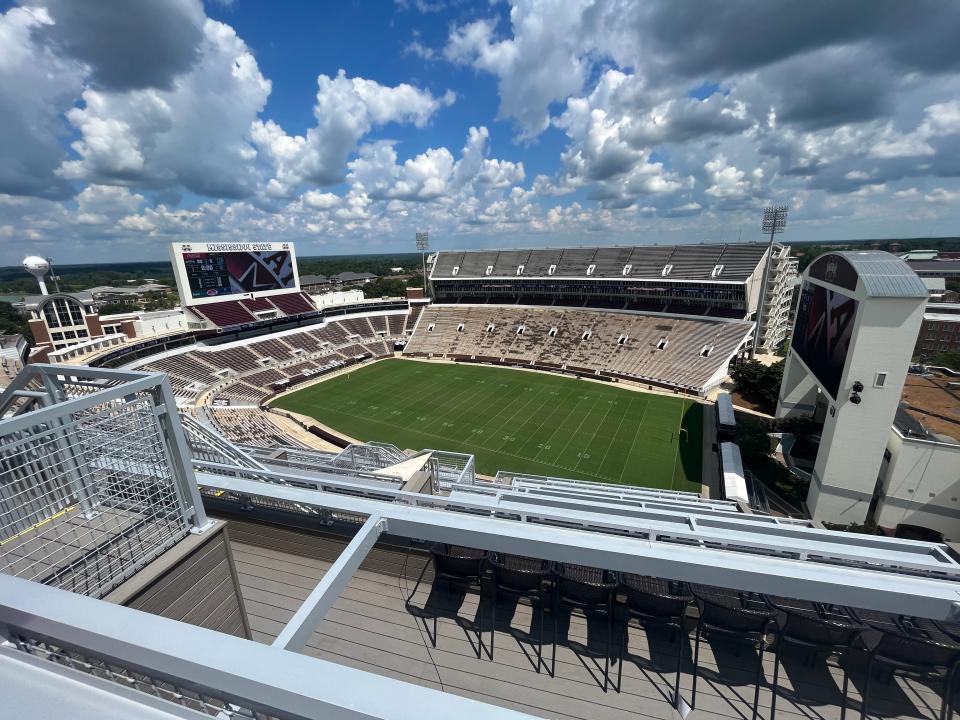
[[553, 660], [776, 679], [846, 684], [866, 690], [540, 636], [623, 643], [606, 659], [756, 692], [493, 627], [676, 682], [696, 668]]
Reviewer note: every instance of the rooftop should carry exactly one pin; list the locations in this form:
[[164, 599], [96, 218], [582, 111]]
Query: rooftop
[[933, 404]]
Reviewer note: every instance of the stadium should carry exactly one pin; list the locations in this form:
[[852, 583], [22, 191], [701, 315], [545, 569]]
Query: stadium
[[489, 498]]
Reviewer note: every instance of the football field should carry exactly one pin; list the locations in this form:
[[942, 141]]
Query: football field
[[516, 421]]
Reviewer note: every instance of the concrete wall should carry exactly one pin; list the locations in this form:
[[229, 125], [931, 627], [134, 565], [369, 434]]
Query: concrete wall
[[921, 485], [854, 436]]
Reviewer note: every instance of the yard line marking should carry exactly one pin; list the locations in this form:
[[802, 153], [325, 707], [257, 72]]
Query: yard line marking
[[616, 433], [596, 430], [633, 442], [580, 425], [673, 475]]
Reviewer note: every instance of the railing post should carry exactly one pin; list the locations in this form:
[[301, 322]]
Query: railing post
[[71, 465], [180, 461]]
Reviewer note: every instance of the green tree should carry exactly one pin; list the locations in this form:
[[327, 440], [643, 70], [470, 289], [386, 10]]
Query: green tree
[[12, 322], [947, 358], [759, 383]]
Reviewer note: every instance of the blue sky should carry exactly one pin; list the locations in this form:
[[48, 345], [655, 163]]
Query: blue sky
[[346, 127]]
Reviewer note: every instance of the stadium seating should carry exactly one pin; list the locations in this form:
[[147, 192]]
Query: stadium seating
[[259, 366], [293, 304], [247, 426], [224, 314], [679, 352]]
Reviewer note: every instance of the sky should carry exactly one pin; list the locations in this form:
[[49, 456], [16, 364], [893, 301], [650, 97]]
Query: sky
[[345, 127]]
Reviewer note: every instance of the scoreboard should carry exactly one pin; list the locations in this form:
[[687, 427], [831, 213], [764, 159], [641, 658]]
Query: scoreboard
[[211, 272]]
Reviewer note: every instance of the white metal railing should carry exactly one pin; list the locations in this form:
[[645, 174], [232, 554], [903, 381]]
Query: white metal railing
[[93, 485]]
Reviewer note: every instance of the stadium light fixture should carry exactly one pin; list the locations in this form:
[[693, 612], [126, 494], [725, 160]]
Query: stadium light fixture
[[774, 222], [423, 243]]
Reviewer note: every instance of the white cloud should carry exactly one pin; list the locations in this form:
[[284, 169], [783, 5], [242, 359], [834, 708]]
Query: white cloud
[[195, 135], [346, 109]]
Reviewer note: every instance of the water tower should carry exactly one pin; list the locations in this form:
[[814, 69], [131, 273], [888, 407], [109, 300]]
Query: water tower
[[38, 267]]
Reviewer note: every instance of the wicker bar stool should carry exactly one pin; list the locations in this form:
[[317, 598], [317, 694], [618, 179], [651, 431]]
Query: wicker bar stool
[[737, 615], [593, 592], [914, 646], [461, 566], [655, 601], [817, 628], [523, 578]]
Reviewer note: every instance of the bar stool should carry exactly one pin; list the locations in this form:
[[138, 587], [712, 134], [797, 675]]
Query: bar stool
[[912, 645], [524, 579], [593, 592], [461, 566], [738, 615], [655, 601], [817, 628]]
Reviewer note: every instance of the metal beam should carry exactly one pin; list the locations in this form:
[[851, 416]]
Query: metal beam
[[242, 672], [295, 633], [757, 533], [862, 586]]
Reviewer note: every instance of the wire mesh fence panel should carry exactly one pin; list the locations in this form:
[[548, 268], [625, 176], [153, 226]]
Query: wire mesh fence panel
[[88, 497]]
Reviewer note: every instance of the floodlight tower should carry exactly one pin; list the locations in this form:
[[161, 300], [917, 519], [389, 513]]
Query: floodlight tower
[[774, 222], [38, 267], [423, 242]]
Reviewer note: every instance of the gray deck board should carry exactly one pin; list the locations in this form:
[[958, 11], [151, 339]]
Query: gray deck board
[[372, 628]]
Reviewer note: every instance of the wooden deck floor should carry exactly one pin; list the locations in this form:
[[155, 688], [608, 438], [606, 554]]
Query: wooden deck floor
[[373, 627]]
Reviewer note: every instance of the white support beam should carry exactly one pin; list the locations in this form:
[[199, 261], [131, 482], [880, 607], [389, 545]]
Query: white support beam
[[295, 633], [241, 672], [930, 596]]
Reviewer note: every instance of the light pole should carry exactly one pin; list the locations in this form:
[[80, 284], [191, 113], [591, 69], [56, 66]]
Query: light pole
[[774, 222], [423, 242]]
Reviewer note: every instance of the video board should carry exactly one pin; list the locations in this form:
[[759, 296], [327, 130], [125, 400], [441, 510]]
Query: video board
[[211, 272], [822, 333]]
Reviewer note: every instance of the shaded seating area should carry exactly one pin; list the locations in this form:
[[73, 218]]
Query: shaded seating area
[[827, 650]]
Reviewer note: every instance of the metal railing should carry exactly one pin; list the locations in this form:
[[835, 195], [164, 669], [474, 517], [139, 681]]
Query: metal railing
[[93, 486]]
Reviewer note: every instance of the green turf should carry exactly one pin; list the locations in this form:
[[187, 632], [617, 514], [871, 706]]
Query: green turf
[[517, 421]]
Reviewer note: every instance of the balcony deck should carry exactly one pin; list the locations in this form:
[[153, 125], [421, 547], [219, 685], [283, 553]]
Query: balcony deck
[[372, 627]]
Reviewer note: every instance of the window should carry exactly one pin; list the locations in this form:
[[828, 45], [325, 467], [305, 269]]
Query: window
[[521, 329], [590, 269], [491, 327], [519, 269], [456, 270], [551, 270], [880, 380], [460, 327], [430, 327], [662, 344], [667, 269], [705, 350], [586, 335], [553, 332], [621, 340], [489, 270], [717, 269]]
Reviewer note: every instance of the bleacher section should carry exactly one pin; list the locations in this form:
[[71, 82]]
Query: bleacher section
[[229, 313], [250, 372], [708, 280], [247, 426], [690, 262], [678, 352]]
